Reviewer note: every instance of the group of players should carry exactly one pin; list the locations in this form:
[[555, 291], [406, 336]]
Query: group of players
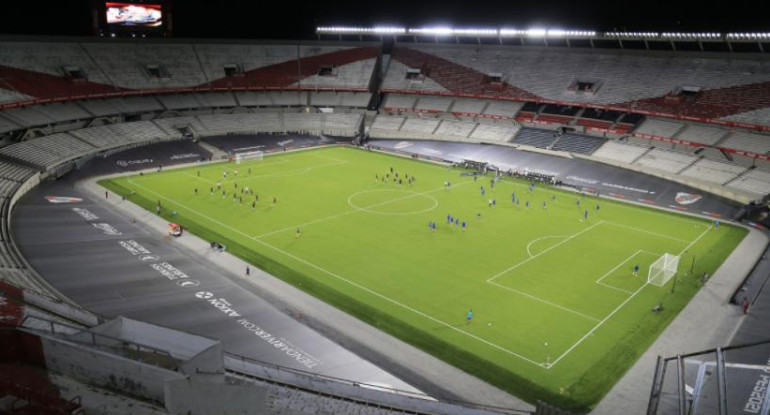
[[394, 177], [452, 221], [238, 194]]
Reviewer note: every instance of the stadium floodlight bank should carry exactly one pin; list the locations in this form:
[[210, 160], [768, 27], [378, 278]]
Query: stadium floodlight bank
[[249, 155], [662, 270], [541, 32]]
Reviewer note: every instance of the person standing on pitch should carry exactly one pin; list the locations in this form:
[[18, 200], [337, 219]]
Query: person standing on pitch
[[469, 317], [636, 270]]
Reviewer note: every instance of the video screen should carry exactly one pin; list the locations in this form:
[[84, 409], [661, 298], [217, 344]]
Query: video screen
[[139, 15]]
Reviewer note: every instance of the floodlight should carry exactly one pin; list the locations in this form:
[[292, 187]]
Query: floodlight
[[512, 32], [536, 32], [437, 31]]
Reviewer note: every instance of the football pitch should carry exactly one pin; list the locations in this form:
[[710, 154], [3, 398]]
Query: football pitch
[[557, 313]]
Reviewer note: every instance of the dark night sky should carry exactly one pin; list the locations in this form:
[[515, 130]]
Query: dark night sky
[[295, 19]]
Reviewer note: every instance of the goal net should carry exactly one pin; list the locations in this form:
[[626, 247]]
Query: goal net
[[663, 269], [249, 155]]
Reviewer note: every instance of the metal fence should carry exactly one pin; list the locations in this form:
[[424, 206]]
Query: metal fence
[[729, 380]]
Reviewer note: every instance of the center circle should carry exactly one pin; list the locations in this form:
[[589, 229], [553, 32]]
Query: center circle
[[395, 202]]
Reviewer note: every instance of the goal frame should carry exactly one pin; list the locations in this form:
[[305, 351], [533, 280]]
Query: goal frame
[[249, 155], [663, 269]]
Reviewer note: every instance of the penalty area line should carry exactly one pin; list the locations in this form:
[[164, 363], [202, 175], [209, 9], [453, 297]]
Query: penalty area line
[[567, 239], [661, 235], [366, 289], [582, 339]]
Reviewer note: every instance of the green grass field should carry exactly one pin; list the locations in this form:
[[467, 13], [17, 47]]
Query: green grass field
[[557, 313]]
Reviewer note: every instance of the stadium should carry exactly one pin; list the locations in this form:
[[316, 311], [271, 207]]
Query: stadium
[[383, 220]]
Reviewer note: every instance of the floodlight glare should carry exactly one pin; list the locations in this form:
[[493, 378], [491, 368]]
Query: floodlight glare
[[389, 30], [437, 31], [512, 32], [476, 32], [536, 32]]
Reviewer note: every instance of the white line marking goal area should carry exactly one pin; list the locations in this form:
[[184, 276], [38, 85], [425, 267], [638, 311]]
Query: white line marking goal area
[[520, 279], [591, 332]]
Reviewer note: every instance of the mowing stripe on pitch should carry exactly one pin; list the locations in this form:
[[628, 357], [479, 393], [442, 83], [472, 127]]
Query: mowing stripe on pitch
[[599, 281], [351, 211], [661, 235], [369, 290], [569, 238], [582, 339]]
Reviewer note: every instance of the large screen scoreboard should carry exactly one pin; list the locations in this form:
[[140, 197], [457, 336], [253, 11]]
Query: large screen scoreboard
[[133, 18]]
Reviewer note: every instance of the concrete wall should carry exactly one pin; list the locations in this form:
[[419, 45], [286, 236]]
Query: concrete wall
[[106, 370], [208, 361], [179, 344], [196, 397], [60, 308]]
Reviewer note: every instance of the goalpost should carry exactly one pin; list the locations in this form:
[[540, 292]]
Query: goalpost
[[249, 155], [662, 270]]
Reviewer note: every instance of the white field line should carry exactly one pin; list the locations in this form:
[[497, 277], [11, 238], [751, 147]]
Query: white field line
[[567, 309], [352, 211], [661, 235], [329, 158], [332, 274], [599, 281], [540, 239], [582, 339], [567, 239], [246, 178], [263, 164]]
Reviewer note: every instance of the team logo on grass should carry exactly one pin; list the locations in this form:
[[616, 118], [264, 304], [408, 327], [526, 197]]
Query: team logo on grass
[[687, 198], [204, 295], [186, 283], [63, 199]]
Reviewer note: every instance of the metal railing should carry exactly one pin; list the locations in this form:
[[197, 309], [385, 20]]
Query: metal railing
[[126, 348], [723, 381]]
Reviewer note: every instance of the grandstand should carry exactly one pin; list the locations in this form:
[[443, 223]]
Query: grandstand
[[625, 153], [713, 171], [746, 141], [550, 75], [579, 105], [667, 161]]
